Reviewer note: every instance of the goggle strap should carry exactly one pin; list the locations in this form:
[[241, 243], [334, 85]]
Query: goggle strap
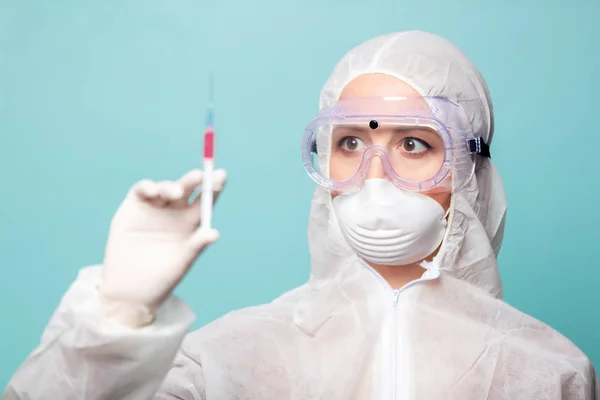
[[477, 145]]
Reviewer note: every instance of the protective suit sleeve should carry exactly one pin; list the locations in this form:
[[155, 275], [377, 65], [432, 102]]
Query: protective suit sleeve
[[185, 380], [82, 355]]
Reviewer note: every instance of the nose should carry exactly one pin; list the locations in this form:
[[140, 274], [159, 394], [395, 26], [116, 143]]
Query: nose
[[376, 170]]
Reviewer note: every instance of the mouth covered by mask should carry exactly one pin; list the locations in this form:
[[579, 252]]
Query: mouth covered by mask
[[390, 226], [419, 141]]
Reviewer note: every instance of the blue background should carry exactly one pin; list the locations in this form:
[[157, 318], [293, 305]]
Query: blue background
[[95, 95]]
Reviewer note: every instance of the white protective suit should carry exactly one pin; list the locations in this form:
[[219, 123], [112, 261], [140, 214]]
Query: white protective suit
[[343, 335]]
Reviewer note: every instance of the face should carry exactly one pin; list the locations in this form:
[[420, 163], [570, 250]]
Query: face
[[416, 152]]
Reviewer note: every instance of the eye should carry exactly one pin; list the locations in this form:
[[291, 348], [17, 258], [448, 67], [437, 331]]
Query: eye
[[415, 146], [351, 143]]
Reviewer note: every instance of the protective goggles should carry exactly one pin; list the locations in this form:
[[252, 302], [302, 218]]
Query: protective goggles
[[423, 143]]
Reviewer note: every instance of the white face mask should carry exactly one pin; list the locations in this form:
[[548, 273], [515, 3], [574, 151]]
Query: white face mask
[[390, 226]]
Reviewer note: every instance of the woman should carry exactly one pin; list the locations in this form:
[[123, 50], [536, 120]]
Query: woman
[[404, 299]]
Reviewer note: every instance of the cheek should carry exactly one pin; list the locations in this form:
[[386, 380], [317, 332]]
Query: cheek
[[334, 172], [442, 194], [443, 198], [338, 168]]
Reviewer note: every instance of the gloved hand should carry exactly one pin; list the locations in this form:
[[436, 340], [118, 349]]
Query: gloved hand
[[153, 241]]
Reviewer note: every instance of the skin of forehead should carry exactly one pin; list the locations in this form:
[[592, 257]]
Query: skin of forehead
[[368, 91], [377, 85]]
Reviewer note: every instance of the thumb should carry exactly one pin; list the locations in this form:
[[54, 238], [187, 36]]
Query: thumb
[[203, 237]]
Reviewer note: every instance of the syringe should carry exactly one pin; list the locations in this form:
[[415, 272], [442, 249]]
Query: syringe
[[206, 201]]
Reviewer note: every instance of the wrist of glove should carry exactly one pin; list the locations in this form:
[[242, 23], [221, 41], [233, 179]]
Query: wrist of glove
[[125, 313]]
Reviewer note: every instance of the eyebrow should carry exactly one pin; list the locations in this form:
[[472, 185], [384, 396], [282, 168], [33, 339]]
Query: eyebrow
[[354, 128]]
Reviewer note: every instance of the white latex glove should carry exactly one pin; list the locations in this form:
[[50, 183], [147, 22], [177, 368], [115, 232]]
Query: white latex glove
[[154, 239]]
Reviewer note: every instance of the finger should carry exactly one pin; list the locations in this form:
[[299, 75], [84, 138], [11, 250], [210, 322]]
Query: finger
[[145, 189], [158, 201], [170, 191], [203, 237], [165, 194], [219, 180], [190, 182]]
